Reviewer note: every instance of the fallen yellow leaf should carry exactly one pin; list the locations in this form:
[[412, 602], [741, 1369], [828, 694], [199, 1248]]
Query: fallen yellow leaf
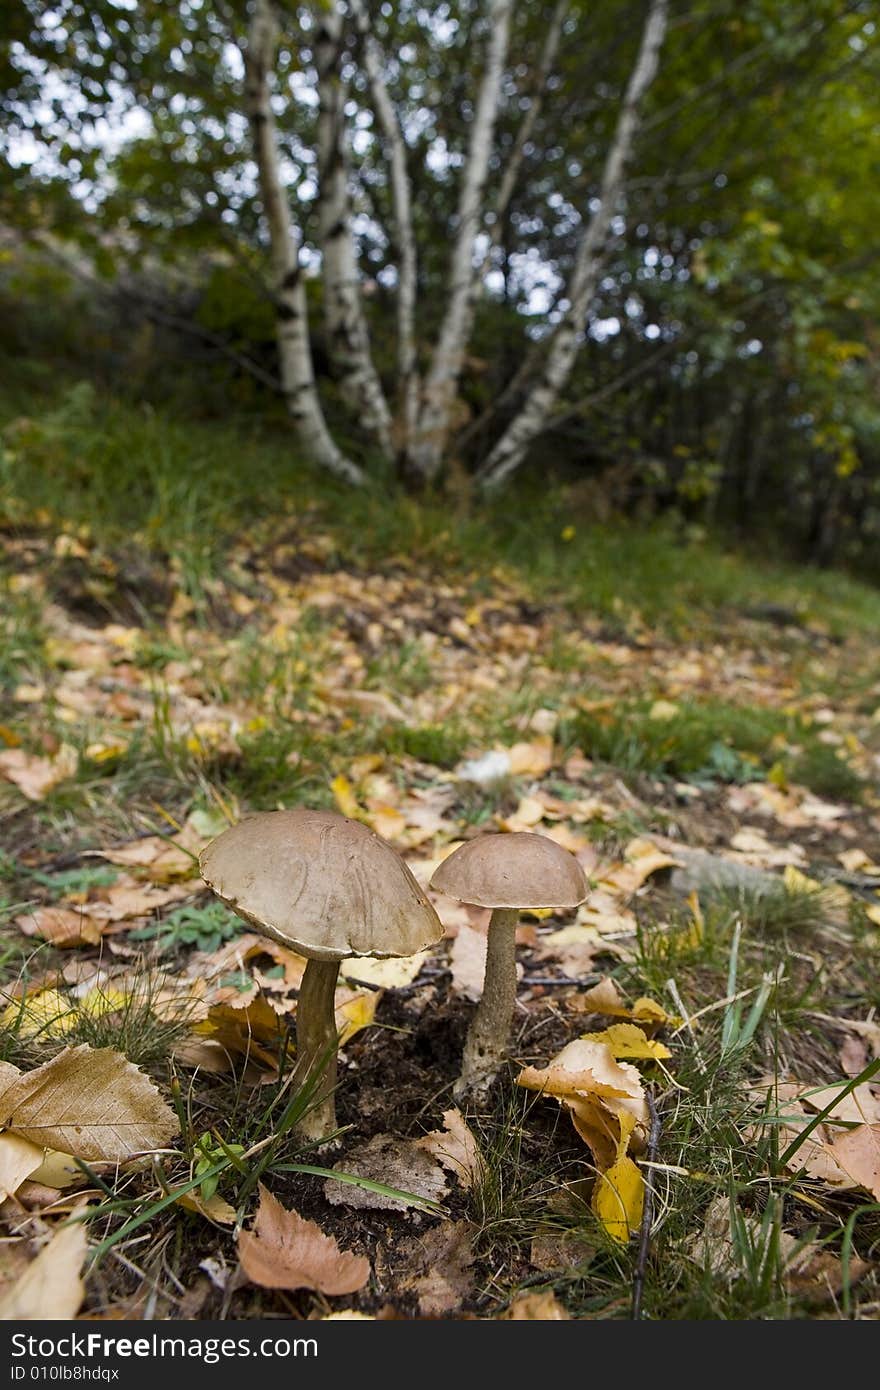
[[343, 795], [627, 1040], [618, 1199]]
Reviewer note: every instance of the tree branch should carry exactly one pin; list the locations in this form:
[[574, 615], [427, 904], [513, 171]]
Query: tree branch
[[441, 382], [510, 450], [404, 235], [347, 333]]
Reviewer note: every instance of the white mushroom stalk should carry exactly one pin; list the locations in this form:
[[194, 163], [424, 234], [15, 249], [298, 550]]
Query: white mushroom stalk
[[508, 873], [317, 1041], [328, 888], [487, 1036]]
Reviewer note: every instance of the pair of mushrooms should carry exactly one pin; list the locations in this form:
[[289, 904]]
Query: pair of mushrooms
[[330, 888]]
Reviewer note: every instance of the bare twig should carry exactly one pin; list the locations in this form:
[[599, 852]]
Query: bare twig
[[647, 1213]]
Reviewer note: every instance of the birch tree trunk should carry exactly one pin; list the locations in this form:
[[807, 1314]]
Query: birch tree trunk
[[404, 235], [294, 347], [441, 382], [511, 448], [349, 339]]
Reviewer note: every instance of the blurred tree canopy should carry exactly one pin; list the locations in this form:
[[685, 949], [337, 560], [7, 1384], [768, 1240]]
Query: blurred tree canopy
[[726, 354]]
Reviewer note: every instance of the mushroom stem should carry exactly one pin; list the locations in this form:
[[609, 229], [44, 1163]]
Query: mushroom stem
[[490, 1027], [316, 1040]]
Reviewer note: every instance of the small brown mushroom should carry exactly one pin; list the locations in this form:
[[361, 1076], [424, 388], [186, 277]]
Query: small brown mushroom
[[507, 873], [330, 888]]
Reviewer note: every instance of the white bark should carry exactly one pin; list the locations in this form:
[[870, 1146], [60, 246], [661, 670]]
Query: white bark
[[348, 336], [511, 448], [404, 235], [294, 348], [441, 382]]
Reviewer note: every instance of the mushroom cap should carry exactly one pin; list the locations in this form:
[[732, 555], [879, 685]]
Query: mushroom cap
[[320, 883], [512, 871]]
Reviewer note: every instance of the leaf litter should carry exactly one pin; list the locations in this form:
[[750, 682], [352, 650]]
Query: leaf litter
[[243, 999]]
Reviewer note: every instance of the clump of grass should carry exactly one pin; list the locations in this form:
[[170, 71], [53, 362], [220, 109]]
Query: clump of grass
[[134, 1027], [129, 1015], [520, 1173], [826, 772], [443, 745], [710, 741], [773, 910]]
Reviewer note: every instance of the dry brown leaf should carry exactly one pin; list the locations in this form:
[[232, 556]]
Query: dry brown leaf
[[58, 1170], [574, 948], [605, 998], [642, 858], [853, 1054], [536, 1307], [372, 703], [399, 1163], [859, 1106], [552, 1250], [455, 1148], [529, 813], [8, 1074], [602, 998], [89, 1102], [387, 821], [51, 1287], [605, 1098], [62, 926], [129, 898], [531, 759], [285, 1251], [434, 1267], [858, 1154], [164, 859], [467, 960], [35, 777], [19, 1158], [255, 1030]]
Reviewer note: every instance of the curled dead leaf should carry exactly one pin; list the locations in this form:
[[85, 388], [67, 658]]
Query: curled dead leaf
[[285, 1251]]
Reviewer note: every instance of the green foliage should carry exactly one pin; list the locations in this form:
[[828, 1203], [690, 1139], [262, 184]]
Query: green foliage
[[203, 928], [715, 742], [440, 744]]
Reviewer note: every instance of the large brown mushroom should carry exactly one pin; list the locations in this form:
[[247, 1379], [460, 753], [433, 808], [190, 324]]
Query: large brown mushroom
[[508, 873], [330, 888]]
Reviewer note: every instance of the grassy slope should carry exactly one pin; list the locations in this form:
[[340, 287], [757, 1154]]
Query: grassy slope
[[618, 614]]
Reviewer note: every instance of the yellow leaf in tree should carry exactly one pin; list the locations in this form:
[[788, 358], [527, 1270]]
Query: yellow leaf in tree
[[343, 795], [627, 1040], [618, 1198]]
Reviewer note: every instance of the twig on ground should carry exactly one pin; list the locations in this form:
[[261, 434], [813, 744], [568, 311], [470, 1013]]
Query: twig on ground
[[647, 1213]]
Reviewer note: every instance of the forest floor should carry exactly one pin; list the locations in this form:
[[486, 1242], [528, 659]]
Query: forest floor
[[716, 776]]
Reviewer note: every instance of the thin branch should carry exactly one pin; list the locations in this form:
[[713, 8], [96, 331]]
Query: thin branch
[[404, 235], [441, 382], [347, 333], [647, 1211], [511, 448]]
